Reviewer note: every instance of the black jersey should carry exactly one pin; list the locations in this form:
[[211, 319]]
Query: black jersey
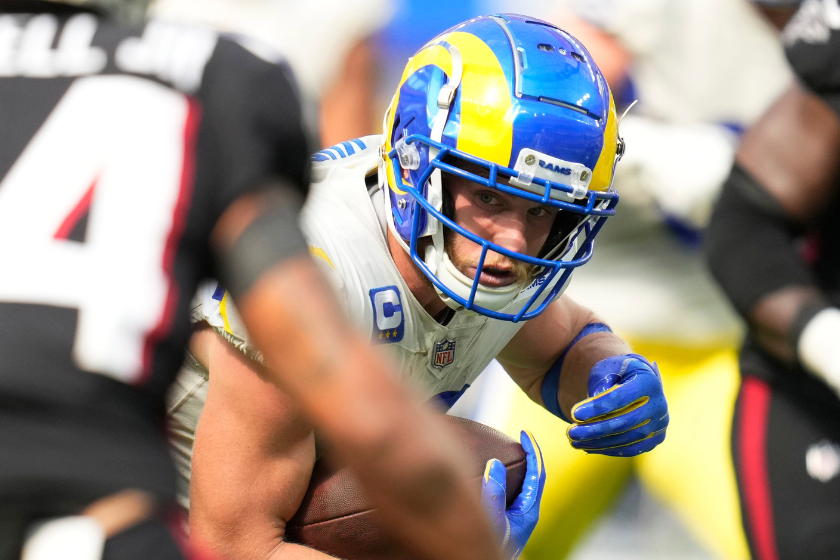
[[119, 151], [812, 46]]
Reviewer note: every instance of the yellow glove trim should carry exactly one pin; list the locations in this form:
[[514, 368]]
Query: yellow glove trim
[[487, 470], [615, 434], [640, 402], [654, 434], [536, 445]]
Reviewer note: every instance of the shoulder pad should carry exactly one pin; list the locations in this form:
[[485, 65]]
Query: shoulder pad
[[349, 155]]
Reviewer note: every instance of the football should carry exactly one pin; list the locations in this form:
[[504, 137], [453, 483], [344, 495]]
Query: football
[[335, 516]]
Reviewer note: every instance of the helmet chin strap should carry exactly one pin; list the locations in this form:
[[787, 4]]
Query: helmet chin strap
[[436, 252], [493, 299], [446, 96]]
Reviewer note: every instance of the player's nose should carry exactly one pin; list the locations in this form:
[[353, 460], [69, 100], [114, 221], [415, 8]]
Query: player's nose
[[509, 232]]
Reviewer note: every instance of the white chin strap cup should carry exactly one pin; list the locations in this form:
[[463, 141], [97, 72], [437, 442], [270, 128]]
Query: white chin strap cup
[[817, 348], [493, 299], [68, 538]]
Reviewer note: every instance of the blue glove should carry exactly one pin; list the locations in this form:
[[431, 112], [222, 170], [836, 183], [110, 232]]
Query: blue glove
[[515, 525], [626, 413]]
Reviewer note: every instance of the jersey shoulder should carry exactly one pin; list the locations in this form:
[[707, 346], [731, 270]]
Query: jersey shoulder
[[344, 178], [359, 153]]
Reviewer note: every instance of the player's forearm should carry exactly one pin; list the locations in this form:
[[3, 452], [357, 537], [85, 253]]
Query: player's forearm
[[798, 325], [254, 543], [531, 357], [225, 514], [252, 459], [239, 499], [578, 362], [400, 451], [777, 319], [408, 464]]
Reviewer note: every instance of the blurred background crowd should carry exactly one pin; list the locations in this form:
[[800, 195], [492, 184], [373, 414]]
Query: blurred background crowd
[[702, 72]]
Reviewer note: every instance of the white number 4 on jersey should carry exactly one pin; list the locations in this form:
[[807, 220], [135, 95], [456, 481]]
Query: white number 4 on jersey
[[117, 142]]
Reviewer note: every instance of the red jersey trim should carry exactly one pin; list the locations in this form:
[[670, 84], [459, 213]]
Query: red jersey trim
[[179, 220], [752, 458]]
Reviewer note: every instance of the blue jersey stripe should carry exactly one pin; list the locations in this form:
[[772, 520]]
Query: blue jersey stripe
[[448, 398], [339, 151]]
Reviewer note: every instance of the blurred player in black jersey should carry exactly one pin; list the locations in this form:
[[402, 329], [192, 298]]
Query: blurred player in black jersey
[[132, 166], [774, 245]]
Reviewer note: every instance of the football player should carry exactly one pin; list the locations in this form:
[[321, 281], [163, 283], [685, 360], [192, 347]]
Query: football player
[[131, 166], [774, 246], [450, 239]]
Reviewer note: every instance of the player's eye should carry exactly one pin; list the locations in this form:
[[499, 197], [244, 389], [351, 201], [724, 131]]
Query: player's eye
[[540, 212], [487, 198]]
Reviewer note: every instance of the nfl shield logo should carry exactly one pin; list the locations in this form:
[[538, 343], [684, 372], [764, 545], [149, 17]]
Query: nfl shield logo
[[444, 353]]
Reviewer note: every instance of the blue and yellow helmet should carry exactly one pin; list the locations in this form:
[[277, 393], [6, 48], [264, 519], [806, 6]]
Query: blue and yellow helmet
[[523, 100]]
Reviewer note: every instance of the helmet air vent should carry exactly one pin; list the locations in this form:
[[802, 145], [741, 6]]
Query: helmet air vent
[[571, 106], [517, 63], [537, 76]]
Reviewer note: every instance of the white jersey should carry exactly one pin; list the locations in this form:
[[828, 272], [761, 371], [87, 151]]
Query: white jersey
[[344, 223], [345, 226]]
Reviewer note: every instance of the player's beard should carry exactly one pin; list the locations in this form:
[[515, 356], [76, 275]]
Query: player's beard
[[520, 272]]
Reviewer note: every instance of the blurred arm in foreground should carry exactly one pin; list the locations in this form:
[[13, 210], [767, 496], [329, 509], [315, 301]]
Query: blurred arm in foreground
[[396, 447]]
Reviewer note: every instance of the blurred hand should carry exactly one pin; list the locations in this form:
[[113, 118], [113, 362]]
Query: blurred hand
[[515, 525], [626, 414]]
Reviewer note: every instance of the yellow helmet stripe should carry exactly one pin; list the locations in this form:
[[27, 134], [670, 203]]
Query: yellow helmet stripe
[[602, 174], [485, 99], [486, 129]]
